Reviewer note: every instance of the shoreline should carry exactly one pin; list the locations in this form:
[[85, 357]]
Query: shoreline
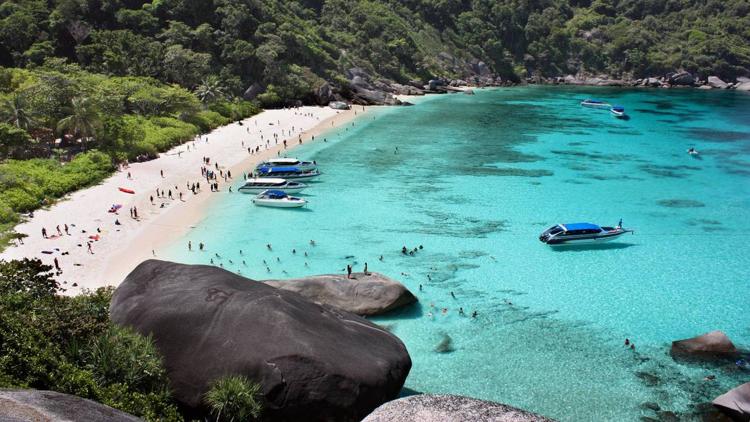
[[119, 248]]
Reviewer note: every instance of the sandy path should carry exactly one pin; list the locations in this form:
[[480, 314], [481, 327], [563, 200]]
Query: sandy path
[[121, 247]]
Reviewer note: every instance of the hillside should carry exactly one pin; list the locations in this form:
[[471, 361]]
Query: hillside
[[289, 48]]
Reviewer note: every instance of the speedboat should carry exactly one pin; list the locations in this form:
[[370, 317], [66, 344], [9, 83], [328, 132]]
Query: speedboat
[[592, 103], [618, 111], [288, 162], [261, 184], [580, 233], [286, 172], [692, 151], [278, 199]]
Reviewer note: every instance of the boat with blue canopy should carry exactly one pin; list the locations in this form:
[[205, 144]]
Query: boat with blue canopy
[[286, 172], [618, 111], [288, 162], [278, 199], [594, 103], [580, 233]]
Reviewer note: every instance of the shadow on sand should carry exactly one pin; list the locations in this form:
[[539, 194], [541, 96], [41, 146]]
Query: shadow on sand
[[594, 247]]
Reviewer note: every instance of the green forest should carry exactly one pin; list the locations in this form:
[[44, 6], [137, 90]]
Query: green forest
[[293, 45], [90, 83]]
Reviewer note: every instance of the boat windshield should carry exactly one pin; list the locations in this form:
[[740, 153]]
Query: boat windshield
[[553, 230]]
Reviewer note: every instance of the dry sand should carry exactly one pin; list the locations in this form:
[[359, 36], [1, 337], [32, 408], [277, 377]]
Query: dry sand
[[121, 247]]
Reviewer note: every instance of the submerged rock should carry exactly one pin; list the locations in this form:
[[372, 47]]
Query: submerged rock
[[715, 344], [313, 362], [735, 403], [371, 294], [49, 406], [439, 407]]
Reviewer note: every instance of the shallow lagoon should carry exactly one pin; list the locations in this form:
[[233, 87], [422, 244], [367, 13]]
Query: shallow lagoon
[[475, 180]]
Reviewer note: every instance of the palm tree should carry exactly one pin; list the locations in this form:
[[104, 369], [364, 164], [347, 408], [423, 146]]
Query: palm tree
[[82, 120], [15, 110], [210, 90]]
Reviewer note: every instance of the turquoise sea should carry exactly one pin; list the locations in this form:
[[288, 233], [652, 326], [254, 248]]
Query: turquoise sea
[[474, 181]]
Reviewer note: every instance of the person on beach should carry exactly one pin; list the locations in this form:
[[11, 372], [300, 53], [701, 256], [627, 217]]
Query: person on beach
[[365, 271], [190, 245], [57, 265], [59, 232], [65, 226], [89, 247], [201, 246], [129, 176], [162, 173], [44, 232], [348, 271], [152, 199]]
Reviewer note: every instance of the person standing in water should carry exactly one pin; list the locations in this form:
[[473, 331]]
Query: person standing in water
[[366, 273], [348, 271]]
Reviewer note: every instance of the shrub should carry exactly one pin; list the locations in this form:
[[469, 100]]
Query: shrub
[[235, 399]]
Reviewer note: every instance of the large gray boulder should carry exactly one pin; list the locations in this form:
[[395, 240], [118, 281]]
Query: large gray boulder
[[742, 86], [324, 94], [371, 294], [439, 407], [711, 345], [253, 91], [735, 403], [49, 406], [716, 82], [681, 78], [313, 362], [364, 96]]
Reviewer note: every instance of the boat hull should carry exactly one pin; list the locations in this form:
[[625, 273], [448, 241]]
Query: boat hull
[[603, 238], [596, 105], [257, 190], [275, 203]]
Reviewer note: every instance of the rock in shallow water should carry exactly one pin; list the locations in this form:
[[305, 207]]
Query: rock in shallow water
[[438, 408], [370, 294], [735, 403], [49, 406], [715, 344], [313, 362]]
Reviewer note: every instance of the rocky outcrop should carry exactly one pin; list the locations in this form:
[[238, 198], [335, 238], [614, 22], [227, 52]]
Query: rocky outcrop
[[51, 406], [438, 407], [253, 91], [324, 94], [711, 345], [364, 96], [716, 82], [652, 82], [735, 403], [313, 362], [681, 78], [371, 294], [742, 86]]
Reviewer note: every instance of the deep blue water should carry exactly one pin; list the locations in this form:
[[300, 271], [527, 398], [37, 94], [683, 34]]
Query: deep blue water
[[474, 181]]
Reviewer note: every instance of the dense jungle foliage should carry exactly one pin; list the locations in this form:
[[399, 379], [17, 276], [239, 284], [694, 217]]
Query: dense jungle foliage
[[293, 45]]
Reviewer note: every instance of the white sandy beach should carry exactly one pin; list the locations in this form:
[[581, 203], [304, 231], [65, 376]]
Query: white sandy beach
[[120, 248]]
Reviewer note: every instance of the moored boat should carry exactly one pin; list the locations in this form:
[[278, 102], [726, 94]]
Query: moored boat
[[278, 199], [286, 172], [580, 233], [258, 185], [618, 111], [288, 162], [593, 103]]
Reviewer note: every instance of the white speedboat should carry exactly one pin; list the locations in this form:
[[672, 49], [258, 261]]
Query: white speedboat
[[692, 151], [259, 185], [286, 172], [618, 111], [289, 162], [278, 199], [580, 233], [593, 103]]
